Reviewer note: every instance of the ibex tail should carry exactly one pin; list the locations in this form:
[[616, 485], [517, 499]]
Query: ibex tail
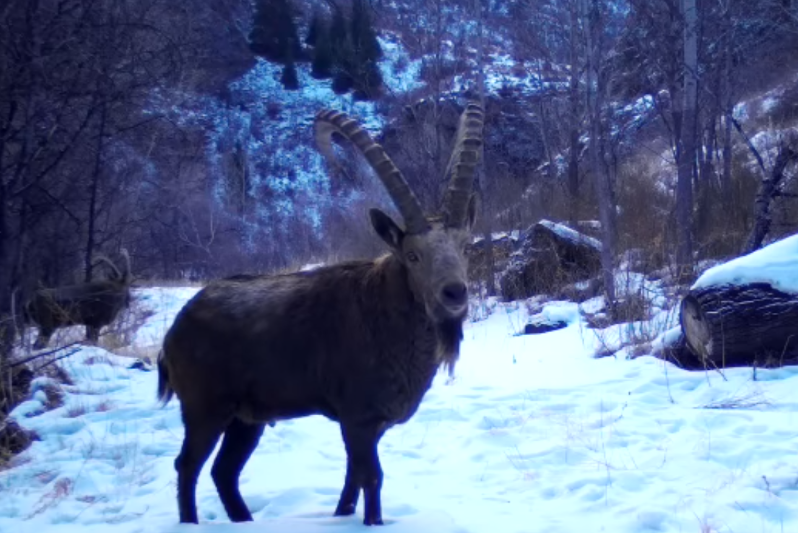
[[165, 391]]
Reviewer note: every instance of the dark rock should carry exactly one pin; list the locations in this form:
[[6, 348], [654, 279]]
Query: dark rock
[[551, 257], [140, 364], [537, 328], [14, 387], [14, 439]]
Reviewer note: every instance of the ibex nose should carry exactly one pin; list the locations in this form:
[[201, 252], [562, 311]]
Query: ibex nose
[[454, 294]]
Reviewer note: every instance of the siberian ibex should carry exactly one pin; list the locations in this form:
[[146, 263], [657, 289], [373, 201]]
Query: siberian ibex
[[93, 304], [357, 342]]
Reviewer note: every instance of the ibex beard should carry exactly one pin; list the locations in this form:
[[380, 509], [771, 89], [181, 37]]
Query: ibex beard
[[357, 342]]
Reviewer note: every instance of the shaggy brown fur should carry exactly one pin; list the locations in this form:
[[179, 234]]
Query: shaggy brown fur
[[357, 342], [94, 304]]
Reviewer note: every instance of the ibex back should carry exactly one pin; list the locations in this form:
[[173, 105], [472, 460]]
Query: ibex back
[[94, 304], [358, 342]]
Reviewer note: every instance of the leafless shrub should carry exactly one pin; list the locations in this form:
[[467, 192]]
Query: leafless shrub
[[748, 400]]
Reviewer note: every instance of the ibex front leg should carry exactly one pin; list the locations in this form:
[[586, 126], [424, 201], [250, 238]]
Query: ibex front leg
[[363, 471], [350, 493]]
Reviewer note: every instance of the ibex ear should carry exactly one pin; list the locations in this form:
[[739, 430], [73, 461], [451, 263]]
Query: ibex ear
[[386, 228], [471, 214]]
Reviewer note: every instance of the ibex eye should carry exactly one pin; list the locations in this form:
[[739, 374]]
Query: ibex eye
[[412, 257]]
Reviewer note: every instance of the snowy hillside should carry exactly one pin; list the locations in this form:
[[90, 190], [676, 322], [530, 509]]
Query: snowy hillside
[[533, 435]]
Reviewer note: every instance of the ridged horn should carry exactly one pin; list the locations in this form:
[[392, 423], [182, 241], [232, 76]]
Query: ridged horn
[[329, 121], [126, 256], [463, 164], [100, 258]]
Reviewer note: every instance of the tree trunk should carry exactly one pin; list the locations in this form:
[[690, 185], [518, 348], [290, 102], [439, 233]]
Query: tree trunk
[[490, 281], [686, 150], [728, 110], [573, 133], [94, 185], [706, 190], [6, 331], [596, 84], [768, 190], [731, 325]]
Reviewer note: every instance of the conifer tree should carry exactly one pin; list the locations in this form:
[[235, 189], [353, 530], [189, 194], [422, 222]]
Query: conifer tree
[[341, 47], [274, 33], [364, 37], [366, 54], [316, 21], [322, 64]]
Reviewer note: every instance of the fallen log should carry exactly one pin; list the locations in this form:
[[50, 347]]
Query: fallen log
[[741, 325]]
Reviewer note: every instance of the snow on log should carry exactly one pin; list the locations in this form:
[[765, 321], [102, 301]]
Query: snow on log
[[745, 312], [551, 256]]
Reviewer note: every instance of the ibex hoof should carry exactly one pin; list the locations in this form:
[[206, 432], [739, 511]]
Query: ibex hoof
[[345, 510]]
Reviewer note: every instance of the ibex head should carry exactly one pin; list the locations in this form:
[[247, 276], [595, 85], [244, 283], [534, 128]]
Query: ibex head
[[123, 277], [432, 248]]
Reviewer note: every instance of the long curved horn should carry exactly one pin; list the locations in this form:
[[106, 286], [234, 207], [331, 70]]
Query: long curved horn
[[126, 256], [330, 121], [463, 164], [100, 258]]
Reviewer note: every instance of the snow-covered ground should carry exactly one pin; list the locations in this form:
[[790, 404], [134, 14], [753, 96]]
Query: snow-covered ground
[[533, 435]]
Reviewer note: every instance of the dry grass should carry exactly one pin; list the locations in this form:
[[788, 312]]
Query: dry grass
[[120, 334], [75, 411], [749, 400], [62, 488]]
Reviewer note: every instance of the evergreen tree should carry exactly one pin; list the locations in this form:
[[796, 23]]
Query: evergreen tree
[[369, 83], [342, 81], [274, 33], [316, 22], [367, 78], [322, 65], [342, 57], [364, 37]]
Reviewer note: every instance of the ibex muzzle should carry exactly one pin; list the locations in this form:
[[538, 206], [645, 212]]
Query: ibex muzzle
[[357, 342]]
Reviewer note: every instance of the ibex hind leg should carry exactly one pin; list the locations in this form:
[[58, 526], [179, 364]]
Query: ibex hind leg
[[202, 432], [240, 440]]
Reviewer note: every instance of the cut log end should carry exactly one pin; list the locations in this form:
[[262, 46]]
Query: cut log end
[[741, 325], [696, 330]]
